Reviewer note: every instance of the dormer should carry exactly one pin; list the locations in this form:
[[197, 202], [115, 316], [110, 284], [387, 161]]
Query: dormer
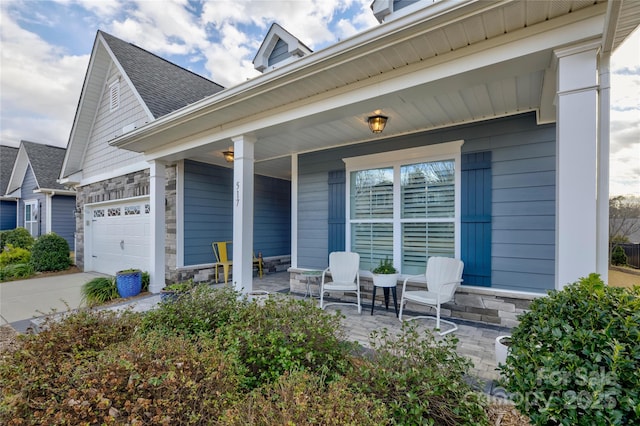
[[384, 10], [279, 47]]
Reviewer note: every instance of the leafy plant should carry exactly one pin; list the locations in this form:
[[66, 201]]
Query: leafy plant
[[574, 356], [50, 252], [385, 267], [146, 279], [16, 270], [420, 379], [18, 237], [180, 287], [100, 290], [11, 255], [618, 256]]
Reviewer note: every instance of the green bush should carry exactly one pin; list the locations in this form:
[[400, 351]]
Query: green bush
[[618, 256], [574, 356], [11, 255], [100, 290], [16, 270], [146, 279], [50, 252], [18, 237], [419, 379], [282, 335]]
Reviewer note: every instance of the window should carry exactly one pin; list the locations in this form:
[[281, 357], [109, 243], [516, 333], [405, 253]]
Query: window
[[404, 205], [31, 217], [114, 95]]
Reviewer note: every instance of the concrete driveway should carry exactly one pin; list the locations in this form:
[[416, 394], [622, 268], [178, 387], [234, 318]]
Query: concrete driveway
[[20, 301]]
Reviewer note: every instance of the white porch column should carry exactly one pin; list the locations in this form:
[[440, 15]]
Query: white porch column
[[576, 162], [243, 212], [604, 129], [294, 210], [157, 181]]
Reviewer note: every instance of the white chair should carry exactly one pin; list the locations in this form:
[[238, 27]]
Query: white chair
[[443, 276], [344, 268]]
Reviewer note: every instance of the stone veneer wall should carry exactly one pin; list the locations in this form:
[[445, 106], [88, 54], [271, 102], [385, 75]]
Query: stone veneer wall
[[130, 185], [206, 272], [471, 303], [171, 217]]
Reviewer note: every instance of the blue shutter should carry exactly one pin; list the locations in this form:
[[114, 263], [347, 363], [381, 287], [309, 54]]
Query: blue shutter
[[337, 209], [476, 218]]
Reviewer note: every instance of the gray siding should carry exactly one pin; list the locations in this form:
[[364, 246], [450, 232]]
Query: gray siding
[[208, 212], [523, 197], [63, 220], [279, 53]]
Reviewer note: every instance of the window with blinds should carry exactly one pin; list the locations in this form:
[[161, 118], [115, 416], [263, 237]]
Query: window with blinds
[[422, 222]]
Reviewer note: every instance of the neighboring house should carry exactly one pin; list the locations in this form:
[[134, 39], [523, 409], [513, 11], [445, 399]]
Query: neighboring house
[[43, 204], [496, 151], [7, 205]]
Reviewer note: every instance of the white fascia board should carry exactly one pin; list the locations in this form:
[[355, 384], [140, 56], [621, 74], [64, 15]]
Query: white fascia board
[[54, 191], [136, 167], [19, 169], [493, 52], [71, 180]]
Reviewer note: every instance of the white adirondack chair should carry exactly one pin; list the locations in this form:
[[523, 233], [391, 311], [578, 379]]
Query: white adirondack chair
[[345, 277]]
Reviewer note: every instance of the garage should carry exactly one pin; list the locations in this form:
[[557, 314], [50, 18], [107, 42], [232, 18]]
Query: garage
[[118, 236]]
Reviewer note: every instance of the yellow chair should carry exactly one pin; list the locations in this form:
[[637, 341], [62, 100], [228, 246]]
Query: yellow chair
[[222, 259]]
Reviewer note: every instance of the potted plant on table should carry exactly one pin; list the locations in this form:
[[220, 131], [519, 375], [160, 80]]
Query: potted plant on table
[[385, 275], [129, 282]]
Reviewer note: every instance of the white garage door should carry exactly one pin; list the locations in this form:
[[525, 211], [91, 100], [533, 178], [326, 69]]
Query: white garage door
[[120, 237]]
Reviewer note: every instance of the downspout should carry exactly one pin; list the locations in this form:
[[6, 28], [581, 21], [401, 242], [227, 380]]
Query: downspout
[[602, 253]]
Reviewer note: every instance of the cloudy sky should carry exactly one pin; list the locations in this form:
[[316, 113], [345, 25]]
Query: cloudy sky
[[45, 48]]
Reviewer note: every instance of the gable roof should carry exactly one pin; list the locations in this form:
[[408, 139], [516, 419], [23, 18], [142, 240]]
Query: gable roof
[[276, 37], [45, 162], [8, 156], [161, 86]]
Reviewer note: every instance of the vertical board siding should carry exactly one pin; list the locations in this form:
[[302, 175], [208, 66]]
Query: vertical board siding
[[63, 219], [7, 215], [476, 219], [208, 212], [522, 181], [337, 210]]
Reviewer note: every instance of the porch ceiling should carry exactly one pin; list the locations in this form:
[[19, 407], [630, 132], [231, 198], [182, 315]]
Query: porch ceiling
[[450, 63]]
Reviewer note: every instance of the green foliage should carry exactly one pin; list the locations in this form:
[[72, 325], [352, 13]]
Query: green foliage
[[146, 279], [574, 356], [100, 290], [18, 237], [419, 379], [16, 271], [282, 335], [385, 267], [11, 255], [180, 287], [200, 311], [302, 398], [618, 256], [50, 252]]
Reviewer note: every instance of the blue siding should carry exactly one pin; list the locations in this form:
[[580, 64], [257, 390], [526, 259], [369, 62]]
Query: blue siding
[[523, 195], [279, 53], [63, 220], [7, 215], [337, 210], [476, 219], [208, 212], [401, 4]]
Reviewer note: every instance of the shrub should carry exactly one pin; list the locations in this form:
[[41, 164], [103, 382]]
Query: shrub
[[301, 398], [419, 379], [618, 256], [18, 237], [16, 270], [100, 290], [574, 356], [146, 279], [282, 335], [11, 255], [50, 252]]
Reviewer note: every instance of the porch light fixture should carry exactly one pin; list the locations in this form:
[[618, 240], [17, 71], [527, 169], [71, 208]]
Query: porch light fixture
[[377, 123], [228, 155]]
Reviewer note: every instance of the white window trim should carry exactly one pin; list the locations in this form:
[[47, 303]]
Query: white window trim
[[34, 207], [396, 159]]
